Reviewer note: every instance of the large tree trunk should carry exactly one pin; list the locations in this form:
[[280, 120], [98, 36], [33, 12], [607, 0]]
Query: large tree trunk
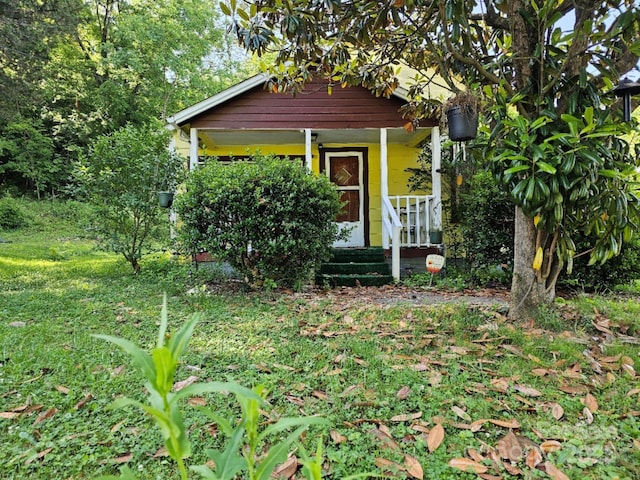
[[528, 290]]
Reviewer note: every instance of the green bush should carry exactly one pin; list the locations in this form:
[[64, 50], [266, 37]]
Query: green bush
[[12, 215], [270, 219], [619, 270], [121, 176], [486, 220]]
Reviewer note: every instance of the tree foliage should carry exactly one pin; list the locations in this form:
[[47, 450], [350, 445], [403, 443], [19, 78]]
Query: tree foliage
[[271, 219], [122, 176], [545, 71]]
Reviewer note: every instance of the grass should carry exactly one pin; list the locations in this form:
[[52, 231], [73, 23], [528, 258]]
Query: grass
[[384, 374]]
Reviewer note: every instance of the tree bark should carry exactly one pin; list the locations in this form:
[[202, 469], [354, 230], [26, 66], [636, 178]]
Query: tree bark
[[528, 290]]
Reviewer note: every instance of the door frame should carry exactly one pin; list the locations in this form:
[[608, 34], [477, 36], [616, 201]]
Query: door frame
[[364, 151]]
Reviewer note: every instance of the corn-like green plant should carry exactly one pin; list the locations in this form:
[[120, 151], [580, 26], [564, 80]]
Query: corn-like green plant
[[245, 452], [246, 443]]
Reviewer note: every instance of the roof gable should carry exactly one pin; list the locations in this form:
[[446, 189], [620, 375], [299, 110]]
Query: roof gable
[[248, 105]]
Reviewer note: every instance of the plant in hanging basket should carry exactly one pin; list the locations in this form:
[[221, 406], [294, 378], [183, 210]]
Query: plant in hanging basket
[[461, 113]]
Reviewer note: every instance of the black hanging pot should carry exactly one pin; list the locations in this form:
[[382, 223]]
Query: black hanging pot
[[463, 123], [165, 199]]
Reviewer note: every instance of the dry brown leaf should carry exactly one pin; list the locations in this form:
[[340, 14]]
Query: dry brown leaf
[[9, 415], [386, 440], [38, 456], [161, 452], [190, 380], [337, 437], [403, 393], [573, 390], [511, 423], [461, 413], [477, 425], [435, 438], [591, 403], [509, 447], [467, 465], [321, 395], [553, 471], [550, 446], [405, 417], [534, 458], [557, 411], [636, 444], [588, 416], [475, 456], [197, 402], [118, 370], [45, 415], [62, 389], [287, 469], [488, 476], [383, 463], [528, 391], [122, 458], [414, 469], [86, 399]]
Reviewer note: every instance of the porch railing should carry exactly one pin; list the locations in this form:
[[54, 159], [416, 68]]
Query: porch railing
[[417, 216]]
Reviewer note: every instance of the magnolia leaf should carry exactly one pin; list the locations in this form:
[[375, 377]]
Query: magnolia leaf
[[406, 417], [414, 469], [550, 446], [461, 413], [435, 438], [553, 471], [591, 403], [534, 458], [511, 423], [403, 393], [557, 411], [467, 465], [528, 391], [509, 447]]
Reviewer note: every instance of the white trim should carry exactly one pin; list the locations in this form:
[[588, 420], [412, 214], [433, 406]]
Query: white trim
[[193, 149], [384, 179], [307, 148], [436, 187]]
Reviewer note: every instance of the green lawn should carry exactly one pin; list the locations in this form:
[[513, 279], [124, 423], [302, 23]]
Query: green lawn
[[407, 389]]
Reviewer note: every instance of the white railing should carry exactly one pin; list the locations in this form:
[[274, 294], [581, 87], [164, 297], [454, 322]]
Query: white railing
[[391, 227], [417, 214]]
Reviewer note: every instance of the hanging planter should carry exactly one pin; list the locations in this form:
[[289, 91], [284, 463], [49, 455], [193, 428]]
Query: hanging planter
[[435, 237], [165, 199], [462, 116]]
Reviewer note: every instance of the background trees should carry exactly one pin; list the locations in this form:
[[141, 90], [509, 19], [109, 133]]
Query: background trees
[[545, 70], [72, 70]]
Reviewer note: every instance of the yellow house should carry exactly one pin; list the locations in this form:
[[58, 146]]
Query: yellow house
[[362, 142]]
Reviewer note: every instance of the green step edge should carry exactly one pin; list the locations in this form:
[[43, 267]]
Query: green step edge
[[381, 268], [353, 280]]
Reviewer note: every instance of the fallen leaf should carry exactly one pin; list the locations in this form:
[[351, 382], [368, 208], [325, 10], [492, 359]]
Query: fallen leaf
[[122, 458], [17, 324], [197, 402], [185, 383], [553, 471], [588, 416], [467, 465], [118, 370], [529, 391], [62, 389], [461, 413], [591, 403], [509, 447], [337, 437], [161, 452], [287, 469], [406, 417], [383, 463], [534, 458], [557, 411], [550, 446], [435, 437], [86, 399], [414, 469], [385, 439], [9, 415], [512, 423], [46, 415], [403, 393], [475, 455], [38, 456]]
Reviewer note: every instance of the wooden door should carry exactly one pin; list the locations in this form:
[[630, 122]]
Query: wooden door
[[345, 169]]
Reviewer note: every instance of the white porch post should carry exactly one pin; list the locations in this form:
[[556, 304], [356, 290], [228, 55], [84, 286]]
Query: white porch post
[[436, 156], [384, 182], [193, 150], [384, 194], [307, 148]]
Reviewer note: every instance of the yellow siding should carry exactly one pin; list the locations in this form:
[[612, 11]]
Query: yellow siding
[[399, 157]]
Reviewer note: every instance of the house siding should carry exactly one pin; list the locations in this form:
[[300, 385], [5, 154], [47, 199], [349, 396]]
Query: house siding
[[350, 107]]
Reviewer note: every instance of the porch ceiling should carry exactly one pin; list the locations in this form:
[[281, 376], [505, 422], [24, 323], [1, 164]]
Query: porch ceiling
[[213, 138]]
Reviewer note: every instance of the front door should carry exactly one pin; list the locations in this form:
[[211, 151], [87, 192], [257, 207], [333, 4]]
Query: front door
[[345, 169]]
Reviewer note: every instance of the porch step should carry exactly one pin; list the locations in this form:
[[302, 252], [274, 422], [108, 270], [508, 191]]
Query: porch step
[[352, 267]]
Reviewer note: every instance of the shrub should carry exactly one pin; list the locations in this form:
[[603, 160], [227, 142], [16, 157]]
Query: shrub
[[122, 176], [270, 219], [12, 215]]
